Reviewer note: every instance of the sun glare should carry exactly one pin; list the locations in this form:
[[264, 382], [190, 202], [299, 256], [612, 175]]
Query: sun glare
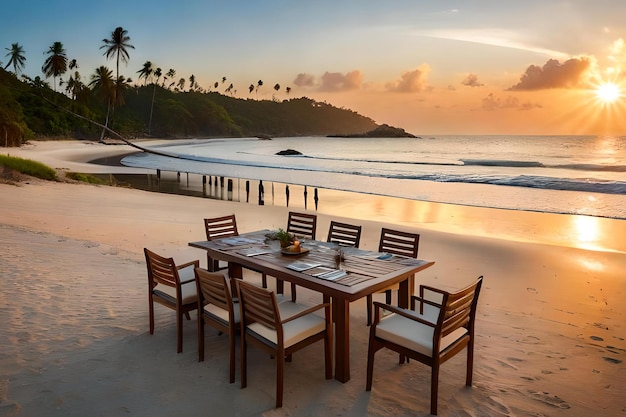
[[608, 92]]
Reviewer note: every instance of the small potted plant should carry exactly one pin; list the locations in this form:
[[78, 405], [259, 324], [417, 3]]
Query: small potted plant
[[285, 238]]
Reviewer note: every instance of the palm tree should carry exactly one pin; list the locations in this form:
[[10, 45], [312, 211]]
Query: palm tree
[[74, 85], [171, 73], [181, 84], [18, 60], [145, 72], [118, 45], [258, 84], [288, 90], [102, 84], [251, 88], [192, 82], [56, 63], [72, 64], [157, 73]]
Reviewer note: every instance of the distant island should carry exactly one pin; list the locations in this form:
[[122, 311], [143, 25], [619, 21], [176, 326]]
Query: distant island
[[382, 131]]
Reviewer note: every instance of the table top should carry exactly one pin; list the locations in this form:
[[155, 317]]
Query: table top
[[359, 273]]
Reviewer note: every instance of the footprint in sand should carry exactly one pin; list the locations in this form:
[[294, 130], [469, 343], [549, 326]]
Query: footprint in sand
[[596, 338], [612, 360], [548, 399]]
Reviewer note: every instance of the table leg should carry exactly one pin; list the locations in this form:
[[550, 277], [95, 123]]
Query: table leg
[[404, 291], [341, 311]]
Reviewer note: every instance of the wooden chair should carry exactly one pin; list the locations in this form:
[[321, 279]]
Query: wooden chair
[[280, 330], [397, 243], [441, 327], [221, 227], [217, 228], [344, 234], [218, 309], [302, 225], [172, 286]]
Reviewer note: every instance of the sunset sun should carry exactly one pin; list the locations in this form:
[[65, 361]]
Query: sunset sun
[[608, 92]]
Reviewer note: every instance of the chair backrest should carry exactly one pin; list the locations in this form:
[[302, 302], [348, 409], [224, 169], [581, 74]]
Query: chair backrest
[[258, 305], [302, 224], [458, 309], [344, 234], [161, 270], [213, 288], [398, 242], [218, 227]]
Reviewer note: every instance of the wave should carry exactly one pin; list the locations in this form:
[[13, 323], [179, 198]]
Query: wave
[[197, 164]]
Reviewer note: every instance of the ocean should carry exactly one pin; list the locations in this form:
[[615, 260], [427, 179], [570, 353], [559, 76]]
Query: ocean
[[554, 174]]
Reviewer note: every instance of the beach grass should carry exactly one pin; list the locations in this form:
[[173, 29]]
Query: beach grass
[[28, 167]]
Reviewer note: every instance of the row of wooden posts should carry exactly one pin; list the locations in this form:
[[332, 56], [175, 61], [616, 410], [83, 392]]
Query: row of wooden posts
[[261, 195]]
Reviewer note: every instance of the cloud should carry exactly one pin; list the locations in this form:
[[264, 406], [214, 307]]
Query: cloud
[[472, 81], [411, 81], [491, 102], [335, 81], [304, 80], [553, 75]]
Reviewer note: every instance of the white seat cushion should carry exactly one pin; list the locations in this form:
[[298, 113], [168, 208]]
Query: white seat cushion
[[414, 335], [188, 290], [223, 314], [293, 331]]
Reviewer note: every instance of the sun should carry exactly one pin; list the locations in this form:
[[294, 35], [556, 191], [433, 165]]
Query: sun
[[608, 92]]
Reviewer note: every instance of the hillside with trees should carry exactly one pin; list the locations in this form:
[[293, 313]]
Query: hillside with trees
[[30, 109], [159, 104]]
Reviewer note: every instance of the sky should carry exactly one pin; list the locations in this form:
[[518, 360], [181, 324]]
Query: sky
[[430, 67]]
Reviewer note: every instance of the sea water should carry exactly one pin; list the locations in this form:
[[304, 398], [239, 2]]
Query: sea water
[[554, 174]]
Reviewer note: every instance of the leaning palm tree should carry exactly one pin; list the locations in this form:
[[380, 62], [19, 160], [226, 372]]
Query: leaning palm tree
[[56, 63], [117, 46], [18, 60], [102, 84], [157, 74], [145, 72]]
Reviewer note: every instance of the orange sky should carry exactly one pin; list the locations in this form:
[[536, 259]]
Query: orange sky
[[444, 67]]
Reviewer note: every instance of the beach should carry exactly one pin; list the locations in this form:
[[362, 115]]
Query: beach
[[74, 340]]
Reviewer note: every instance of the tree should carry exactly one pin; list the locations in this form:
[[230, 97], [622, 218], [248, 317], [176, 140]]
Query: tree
[[258, 84], [192, 82], [117, 46], [56, 63], [74, 86], [171, 73], [251, 88], [181, 84], [288, 90], [17, 60], [145, 72], [103, 85], [157, 73]]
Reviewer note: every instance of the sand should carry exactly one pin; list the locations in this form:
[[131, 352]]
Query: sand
[[74, 340]]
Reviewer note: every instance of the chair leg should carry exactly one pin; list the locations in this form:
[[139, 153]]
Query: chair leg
[[280, 286], [370, 306], [264, 280], [151, 309], [371, 350], [243, 364], [179, 332], [280, 370], [231, 346], [470, 363], [200, 338], [434, 388]]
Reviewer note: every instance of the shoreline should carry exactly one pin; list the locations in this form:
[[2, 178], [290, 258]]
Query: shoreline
[[570, 230], [551, 338]]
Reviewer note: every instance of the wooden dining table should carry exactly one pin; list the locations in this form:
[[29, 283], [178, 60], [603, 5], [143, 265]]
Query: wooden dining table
[[342, 275]]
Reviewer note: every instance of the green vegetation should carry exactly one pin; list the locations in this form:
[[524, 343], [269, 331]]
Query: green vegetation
[[28, 167], [91, 179], [162, 106]]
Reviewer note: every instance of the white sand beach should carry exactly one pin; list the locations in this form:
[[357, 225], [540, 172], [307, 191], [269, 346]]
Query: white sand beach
[[74, 339]]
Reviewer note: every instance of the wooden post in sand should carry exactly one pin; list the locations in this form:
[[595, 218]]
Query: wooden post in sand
[[261, 192], [247, 191], [230, 189], [305, 194], [287, 194], [315, 198]]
